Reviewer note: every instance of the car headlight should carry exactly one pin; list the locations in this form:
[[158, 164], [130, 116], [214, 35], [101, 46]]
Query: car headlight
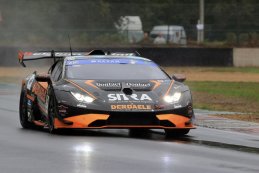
[[174, 98], [82, 98]]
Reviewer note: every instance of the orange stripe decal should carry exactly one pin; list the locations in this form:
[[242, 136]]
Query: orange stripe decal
[[90, 83], [82, 89], [170, 86], [157, 84]]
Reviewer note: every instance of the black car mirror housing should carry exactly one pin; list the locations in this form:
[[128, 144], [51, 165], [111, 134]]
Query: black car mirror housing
[[179, 77]]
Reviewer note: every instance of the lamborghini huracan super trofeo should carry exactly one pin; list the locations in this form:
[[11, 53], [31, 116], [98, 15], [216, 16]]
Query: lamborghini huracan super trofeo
[[104, 90]]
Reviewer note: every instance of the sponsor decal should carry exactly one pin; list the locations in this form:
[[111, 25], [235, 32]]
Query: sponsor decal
[[108, 84], [119, 85], [177, 106], [81, 105], [72, 62], [41, 53], [70, 58], [138, 85], [131, 107], [62, 107], [133, 97], [62, 110], [108, 61], [58, 54]]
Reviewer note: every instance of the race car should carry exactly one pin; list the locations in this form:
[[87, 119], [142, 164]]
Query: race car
[[97, 89]]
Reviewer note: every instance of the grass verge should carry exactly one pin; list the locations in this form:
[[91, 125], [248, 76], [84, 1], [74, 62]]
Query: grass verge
[[240, 97]]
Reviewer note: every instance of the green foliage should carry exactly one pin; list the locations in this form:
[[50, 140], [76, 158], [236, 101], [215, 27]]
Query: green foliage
[[231, 38], [49, 19], [254, 39], [242, 90], [244, 39]]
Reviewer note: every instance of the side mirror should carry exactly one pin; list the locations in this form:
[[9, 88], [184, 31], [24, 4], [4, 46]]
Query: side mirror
[[179, 77], [42, 77]]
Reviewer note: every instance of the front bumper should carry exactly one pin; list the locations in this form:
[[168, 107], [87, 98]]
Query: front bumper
[[124, 120]]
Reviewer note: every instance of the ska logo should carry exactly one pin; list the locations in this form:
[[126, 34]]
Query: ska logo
[[133, 97]]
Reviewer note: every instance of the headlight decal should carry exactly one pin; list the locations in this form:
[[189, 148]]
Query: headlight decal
[[82, 89], [82, 98]]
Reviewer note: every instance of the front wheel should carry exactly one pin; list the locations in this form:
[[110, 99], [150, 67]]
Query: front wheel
[[52, 111], [23, 110], [176, 132]]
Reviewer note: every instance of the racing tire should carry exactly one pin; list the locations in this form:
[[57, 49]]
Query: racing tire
[[176, 132], [23, 113], [52, 111]]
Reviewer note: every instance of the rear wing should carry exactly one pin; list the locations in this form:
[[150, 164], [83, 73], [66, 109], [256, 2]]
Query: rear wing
[[29, 56]]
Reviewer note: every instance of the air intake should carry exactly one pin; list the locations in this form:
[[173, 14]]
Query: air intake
[[127, 91]]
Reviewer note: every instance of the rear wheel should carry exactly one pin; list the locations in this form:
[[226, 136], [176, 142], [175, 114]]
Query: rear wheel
[[176, 132], [23, 110]]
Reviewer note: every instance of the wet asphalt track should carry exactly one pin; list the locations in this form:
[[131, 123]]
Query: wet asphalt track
[[203, 150]]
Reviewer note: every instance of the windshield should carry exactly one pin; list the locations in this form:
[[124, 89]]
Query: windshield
[[116, 69]]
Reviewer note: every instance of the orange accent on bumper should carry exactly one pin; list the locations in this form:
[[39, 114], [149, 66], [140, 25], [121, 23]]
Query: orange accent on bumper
[[81, 121], [178, 120]]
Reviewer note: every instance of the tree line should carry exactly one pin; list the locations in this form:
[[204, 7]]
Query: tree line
[[222, 17]]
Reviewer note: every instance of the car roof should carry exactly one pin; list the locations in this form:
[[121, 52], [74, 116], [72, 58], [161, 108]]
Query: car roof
[[107, 57]]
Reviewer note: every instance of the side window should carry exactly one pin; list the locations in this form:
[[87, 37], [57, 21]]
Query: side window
[[53, 69], [57, 71]]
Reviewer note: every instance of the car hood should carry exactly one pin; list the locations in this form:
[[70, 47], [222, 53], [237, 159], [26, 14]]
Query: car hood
[[121, 95]]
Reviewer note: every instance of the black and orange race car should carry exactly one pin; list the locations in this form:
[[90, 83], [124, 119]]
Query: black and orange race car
[[104, 90]]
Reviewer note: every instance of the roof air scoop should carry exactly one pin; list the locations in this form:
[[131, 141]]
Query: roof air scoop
[[127, 91], [96, 52]]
